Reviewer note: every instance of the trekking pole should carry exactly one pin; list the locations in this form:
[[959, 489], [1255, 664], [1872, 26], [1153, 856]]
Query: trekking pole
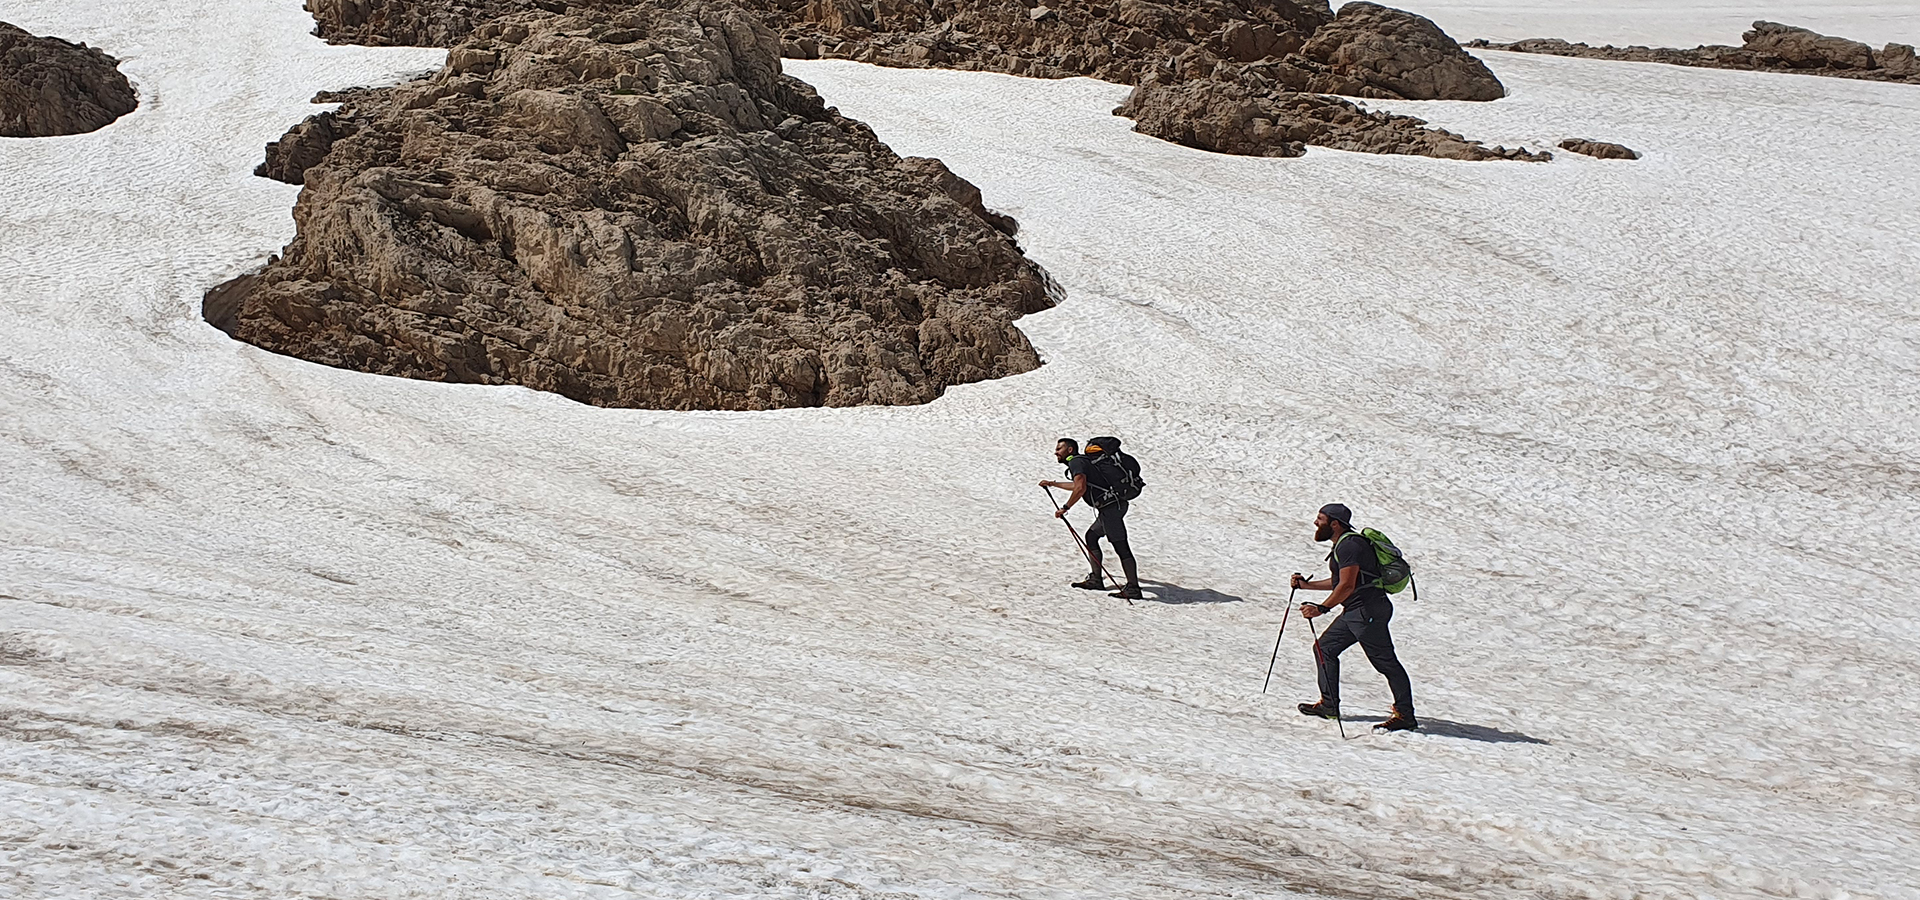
[[1276, 640], [1316, 658], [1084, 549]]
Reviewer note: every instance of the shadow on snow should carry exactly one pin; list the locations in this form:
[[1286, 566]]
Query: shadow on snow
[[1445, 728], [1162, 592]]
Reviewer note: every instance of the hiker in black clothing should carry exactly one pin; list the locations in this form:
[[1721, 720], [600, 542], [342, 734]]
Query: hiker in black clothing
[[1363, 620], [1110, 521]]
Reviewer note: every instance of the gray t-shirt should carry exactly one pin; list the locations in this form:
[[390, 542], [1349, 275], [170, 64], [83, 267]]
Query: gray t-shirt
[[1352, 549]]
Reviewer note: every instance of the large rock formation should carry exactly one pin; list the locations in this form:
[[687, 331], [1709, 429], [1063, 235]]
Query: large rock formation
[[418, 23], [1768, 47], [50, 87], [1120, 41], [1230, 117], [1366, 51], [1289, 46], [634, 208]]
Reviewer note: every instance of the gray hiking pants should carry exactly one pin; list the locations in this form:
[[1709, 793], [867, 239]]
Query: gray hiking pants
[[1366, 626]]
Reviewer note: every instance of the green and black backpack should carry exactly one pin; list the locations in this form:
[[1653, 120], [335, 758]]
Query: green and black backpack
[[1396, 574]]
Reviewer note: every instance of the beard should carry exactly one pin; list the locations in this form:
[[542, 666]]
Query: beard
[[1323, 531]]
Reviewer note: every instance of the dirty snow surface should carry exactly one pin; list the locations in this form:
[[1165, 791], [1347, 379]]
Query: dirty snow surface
[[1650, 431]]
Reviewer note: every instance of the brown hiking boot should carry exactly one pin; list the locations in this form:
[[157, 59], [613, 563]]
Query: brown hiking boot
[[1322, 708], [1399, 721]]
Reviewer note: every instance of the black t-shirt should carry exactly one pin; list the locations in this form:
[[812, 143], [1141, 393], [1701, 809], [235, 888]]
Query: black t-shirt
[[1352, 549], [1097, 476]]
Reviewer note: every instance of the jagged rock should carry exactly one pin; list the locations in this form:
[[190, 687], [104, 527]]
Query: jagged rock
[[303, 147], [51, 87], [636, 208], [1598, 149], [1770, 47], [418, 23], [1121, 41], [1801, 48], [1228, 117], [1899, 61], [1373, 51], [1367, 51]]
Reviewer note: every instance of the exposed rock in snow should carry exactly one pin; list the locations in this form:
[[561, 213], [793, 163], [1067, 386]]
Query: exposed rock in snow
[[1802, 48], [634, 209], [1366, 50], [1598, 149], [423, 23], [1768, 47], [303, 147], [1375, 51], [50, 87], [1228, 117]]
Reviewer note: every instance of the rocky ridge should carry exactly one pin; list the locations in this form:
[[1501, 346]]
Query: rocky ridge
[[1271, 49], [1768, 47], [53, 87], [633, 208]]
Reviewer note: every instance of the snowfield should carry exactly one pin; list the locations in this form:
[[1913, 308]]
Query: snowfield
[[1650, 432]]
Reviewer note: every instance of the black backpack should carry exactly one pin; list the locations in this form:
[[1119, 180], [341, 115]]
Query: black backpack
[[1118, 469]]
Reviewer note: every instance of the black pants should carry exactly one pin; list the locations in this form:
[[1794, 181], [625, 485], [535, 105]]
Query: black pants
[[1112, 525], [1366, 626]]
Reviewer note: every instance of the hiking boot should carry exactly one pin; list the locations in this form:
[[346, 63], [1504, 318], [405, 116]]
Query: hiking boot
[[1398, 722], [1322, 708], [1130, 592], [1093, 583]]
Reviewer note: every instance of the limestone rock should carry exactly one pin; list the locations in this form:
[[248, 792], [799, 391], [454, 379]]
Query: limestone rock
[[1297, 45], [416, 23], [1122, 41], [303, 147], [51, 87], [1228, 117], [635, 208], [1769, 47], [1598, 149], [1372, 50], [1898, 61], [1801, 48]]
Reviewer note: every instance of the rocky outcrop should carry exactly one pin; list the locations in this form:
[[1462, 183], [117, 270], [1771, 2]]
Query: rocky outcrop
[[51, 87], [1121, 41], [1228, 117], [1768, 47], [1367, 50], [1379, 52], [1598, 149], [414, 23], [303, 147], [638, 209], [1801, 48]]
